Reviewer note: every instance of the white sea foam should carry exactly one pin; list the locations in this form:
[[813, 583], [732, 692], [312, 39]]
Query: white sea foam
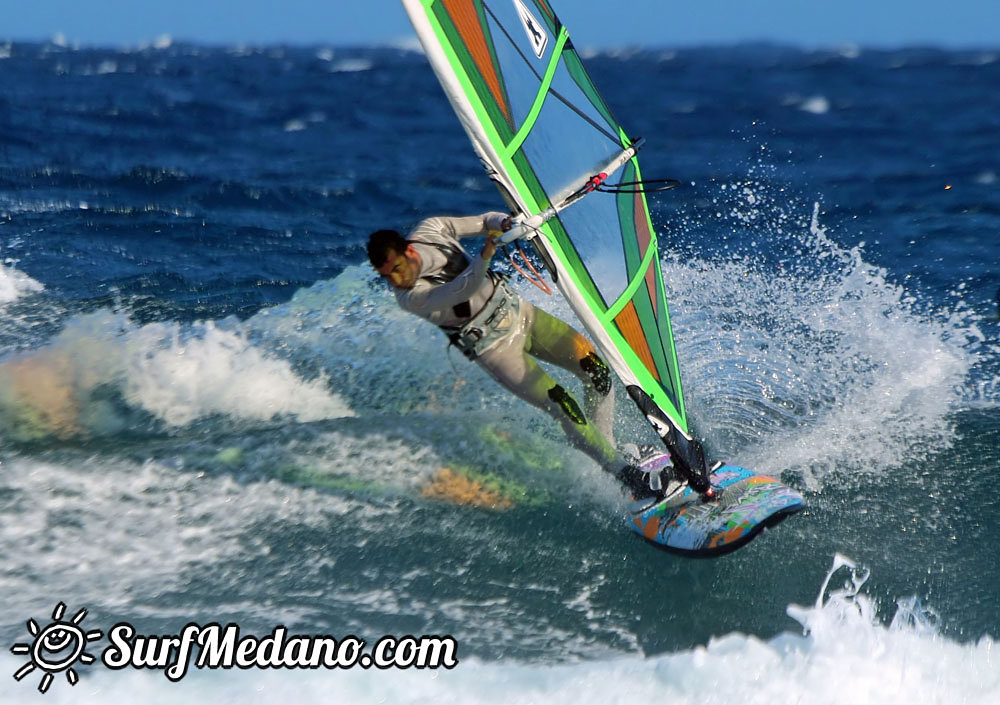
[[217, 371], [115, 533], [177, 373], [842, 654], [984, 58], [299, 124], [795, 366], [15, 284], [351, 65], [684, 108], [817, 105], [410, 43], [986, 178]]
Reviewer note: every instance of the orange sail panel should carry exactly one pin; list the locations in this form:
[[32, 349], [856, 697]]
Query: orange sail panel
[[628, 324], [466, 19]]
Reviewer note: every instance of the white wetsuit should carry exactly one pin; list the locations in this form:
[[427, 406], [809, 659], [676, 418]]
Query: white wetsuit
[[452, 289]]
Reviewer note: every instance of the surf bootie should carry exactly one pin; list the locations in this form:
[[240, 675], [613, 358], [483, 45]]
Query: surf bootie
[[635, 483], [641, 476]]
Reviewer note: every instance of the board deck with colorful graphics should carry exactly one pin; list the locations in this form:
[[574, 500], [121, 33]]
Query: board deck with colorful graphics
[[684, 522]]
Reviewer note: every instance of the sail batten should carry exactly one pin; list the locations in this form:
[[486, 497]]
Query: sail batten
[[543, 91]]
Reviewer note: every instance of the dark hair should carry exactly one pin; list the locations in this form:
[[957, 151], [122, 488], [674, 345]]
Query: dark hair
[[379, 244]]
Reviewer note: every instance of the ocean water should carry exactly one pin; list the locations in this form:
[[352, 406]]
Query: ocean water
[[212, 411]]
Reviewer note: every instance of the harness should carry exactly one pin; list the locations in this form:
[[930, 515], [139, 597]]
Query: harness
[[488, 325], [492, 323]]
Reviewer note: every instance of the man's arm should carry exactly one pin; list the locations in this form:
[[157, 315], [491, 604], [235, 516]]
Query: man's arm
[[474, 225], [425, 300]]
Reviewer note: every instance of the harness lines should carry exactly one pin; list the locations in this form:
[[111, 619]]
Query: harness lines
[[488, 325]]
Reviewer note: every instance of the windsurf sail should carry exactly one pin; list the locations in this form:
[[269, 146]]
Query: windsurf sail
[[549, 141]]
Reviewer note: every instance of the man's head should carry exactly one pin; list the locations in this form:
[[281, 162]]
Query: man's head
[[394, 258]]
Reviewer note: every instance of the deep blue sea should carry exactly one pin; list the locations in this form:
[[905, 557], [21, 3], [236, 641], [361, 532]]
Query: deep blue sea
[[212, 411]]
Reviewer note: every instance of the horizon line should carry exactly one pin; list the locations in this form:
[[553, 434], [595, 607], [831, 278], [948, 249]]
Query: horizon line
[[410, 43]]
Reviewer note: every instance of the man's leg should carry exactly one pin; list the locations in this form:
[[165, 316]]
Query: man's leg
[[554, 341], [508, 363]]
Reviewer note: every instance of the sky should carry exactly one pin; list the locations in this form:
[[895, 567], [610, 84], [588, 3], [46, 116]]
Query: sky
[[592, 23]]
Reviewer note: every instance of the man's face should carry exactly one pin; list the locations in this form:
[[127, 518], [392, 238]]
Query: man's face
[[401, 270]]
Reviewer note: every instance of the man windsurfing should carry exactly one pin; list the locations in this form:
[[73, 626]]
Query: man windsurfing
[[434, 277]]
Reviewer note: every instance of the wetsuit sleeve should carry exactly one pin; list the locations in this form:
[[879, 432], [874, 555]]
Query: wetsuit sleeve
[[473, 225], [427, 299]]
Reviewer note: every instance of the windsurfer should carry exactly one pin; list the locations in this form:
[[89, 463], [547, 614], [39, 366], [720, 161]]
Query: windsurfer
[[433, 277]]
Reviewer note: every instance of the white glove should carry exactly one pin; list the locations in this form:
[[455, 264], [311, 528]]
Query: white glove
[[495, 222]]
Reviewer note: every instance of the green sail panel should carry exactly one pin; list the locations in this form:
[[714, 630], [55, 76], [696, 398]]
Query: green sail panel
[[542, 129]]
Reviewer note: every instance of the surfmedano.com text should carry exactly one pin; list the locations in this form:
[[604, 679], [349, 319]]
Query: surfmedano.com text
[[223, 647]]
